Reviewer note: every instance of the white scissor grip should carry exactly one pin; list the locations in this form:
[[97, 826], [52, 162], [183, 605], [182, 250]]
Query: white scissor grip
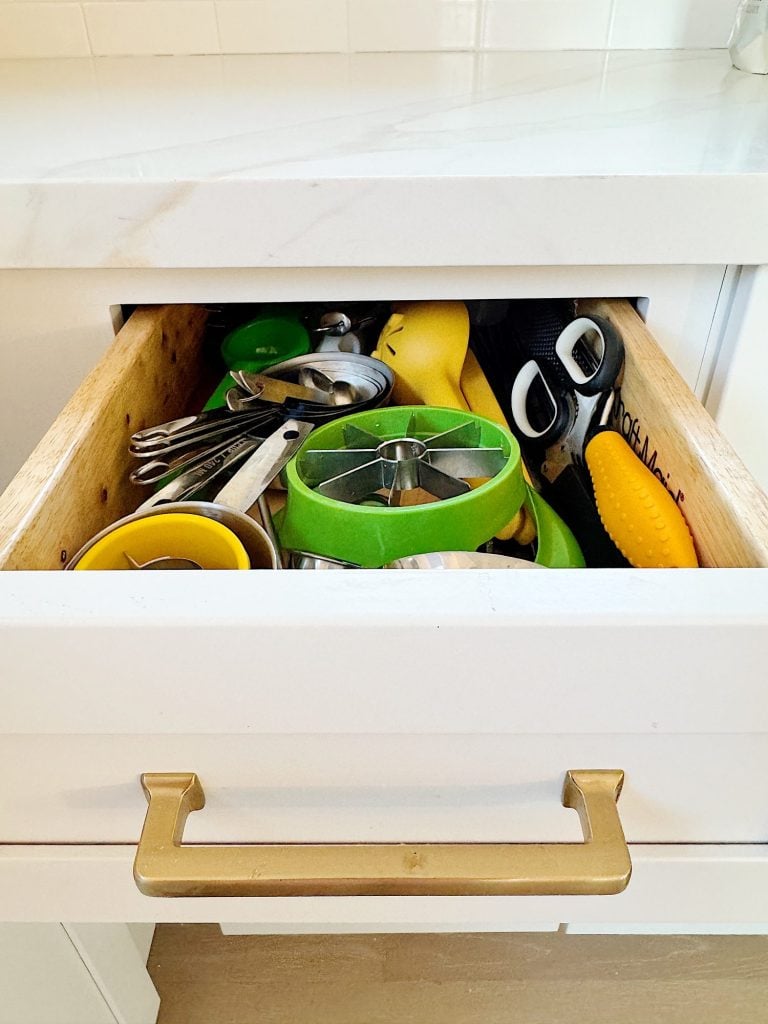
[[520, 389], [566, 343]]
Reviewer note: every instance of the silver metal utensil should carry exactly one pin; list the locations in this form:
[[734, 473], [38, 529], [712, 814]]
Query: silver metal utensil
[[368, 381], [252, 479], [333, 323], [266, 521], [461, 560], [203, 423], [339, 323], [306, 560], [232, 503], [151, 471], [340, 343], [276, 390], [203, 473], [163, 562], [182, 439], [337, 391], [240, 401], [440, 465]]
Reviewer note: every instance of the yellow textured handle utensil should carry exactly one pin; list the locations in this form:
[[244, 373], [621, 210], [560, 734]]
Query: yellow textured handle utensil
[[638, 512]]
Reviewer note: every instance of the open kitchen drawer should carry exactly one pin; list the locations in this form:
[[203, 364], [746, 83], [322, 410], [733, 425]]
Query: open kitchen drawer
[[76, 482], [376, 705]]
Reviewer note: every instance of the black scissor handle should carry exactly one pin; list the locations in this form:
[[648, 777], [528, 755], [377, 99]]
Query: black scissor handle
[[593, 365], [541, 414]]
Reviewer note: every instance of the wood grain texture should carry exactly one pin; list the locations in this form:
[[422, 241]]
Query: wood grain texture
[[666, 424], [203, 976], [76, 481]]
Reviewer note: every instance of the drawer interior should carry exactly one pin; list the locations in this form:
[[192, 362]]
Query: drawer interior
[[76, 481]]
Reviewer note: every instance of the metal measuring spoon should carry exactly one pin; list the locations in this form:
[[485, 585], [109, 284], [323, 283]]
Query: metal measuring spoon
[[238, 401], [341, 392], [163, 562]]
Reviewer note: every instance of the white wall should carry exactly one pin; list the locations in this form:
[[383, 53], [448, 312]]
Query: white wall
[[29, 28]]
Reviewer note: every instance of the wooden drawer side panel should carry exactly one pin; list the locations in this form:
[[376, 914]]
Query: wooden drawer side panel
[[76, 481]]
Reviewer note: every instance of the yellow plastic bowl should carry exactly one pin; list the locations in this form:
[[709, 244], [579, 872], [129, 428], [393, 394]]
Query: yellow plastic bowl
[[176, 535]]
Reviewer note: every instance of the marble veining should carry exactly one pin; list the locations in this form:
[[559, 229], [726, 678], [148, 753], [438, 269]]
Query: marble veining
[[113, 162]]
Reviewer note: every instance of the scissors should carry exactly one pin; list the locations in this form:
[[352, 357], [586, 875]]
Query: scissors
[[609, 497], [557, 404]]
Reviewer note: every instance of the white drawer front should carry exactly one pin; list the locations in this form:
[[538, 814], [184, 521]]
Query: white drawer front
[[391, 714], [382, 788], [373, 705], [378, 652], [711, 885]]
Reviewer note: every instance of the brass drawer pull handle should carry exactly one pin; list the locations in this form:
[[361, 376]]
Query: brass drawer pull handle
[[598, 866]]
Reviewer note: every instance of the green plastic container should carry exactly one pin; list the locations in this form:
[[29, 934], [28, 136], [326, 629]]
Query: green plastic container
[[556, 546], [371, 535], [272, 337]]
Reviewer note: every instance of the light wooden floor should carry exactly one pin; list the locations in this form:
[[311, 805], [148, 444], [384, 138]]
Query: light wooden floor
[[206, 978]]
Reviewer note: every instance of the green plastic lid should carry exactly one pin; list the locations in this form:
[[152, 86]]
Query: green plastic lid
[[270, 338]]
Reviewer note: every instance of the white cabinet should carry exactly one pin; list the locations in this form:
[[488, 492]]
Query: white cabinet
[[377, 706], [739, 391], [43, 978], [75, 974]]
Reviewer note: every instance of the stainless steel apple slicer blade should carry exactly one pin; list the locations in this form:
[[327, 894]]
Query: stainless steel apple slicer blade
[[439, 464]]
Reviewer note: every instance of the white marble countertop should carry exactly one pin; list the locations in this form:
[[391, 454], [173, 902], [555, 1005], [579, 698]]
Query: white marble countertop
[[564, 158]]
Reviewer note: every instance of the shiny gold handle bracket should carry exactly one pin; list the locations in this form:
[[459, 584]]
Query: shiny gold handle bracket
[[598, 866]]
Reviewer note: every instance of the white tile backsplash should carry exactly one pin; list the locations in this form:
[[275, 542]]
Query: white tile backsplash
[[546, 24], [30, 28], [42, 30], [663, 24], [383, 25], [138, 27], [283, 26]]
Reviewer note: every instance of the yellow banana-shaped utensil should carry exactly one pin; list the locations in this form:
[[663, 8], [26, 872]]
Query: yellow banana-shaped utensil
[[427, 345], [481, 400]]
